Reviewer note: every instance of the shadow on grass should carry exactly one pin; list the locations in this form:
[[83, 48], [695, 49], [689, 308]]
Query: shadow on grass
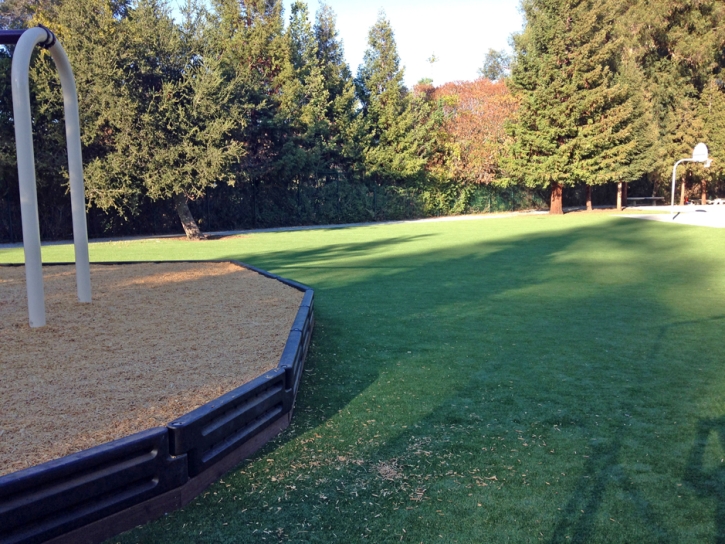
[[708, 482], [471, 389], [601, 473]]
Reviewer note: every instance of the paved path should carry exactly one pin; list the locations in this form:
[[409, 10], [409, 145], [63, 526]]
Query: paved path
[[699, 216]]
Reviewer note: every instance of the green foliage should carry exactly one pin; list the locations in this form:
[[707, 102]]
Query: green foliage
[[678, 46], [496, 65], [255, 58], [581, 118], [227, 105], [157, 115], [711, 109], [395, 124], [184, 111]]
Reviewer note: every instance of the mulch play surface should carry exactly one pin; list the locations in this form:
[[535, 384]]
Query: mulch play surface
[[157, 341]]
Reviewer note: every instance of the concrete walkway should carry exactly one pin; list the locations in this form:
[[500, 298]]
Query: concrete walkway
[[699, 216]]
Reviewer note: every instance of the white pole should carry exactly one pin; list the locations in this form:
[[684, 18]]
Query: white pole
[[26, 173], [674, 170], [75, 172]]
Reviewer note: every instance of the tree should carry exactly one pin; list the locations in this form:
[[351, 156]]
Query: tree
[[305, 101], [394, 136], [255, 59], [156, 111], [18, 13], [341, 150], [712, 113], [186, 115], [496, 65], [579, 119], [475, 114], [92, 36], [679, 49]]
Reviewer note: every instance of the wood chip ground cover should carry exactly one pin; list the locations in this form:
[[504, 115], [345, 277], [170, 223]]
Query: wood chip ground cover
[[157, 341]]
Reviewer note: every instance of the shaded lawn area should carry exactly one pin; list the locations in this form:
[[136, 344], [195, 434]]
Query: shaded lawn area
[[513, 380]]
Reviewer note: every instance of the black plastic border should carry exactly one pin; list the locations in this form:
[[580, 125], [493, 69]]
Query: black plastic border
[[62, 496], [53, 498], [214, 430]]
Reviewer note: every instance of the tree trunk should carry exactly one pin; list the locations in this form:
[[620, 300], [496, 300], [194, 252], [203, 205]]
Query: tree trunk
[[619, 196], [625, 193], [703, 194], [556, 205], [187, 220], [589, 198], [683, 190]]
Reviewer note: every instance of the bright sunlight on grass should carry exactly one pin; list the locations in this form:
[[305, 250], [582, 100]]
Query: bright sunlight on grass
[[512, 380]]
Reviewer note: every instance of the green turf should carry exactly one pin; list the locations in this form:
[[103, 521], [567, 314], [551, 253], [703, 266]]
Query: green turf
[[510, 380]]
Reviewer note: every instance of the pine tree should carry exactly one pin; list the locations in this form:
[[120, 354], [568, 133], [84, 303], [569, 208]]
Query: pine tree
[[255, 59], [394, 136], [305, 101], [679, 48], [578, 121], [8, 164], [155, 109], [186, 113], [341, 150], [92, 36], [712, 113]]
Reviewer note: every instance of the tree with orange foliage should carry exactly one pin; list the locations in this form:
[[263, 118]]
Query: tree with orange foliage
[[475, 113]]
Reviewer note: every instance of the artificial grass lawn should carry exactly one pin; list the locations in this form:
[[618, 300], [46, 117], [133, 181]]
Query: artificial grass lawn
[[511, 380]]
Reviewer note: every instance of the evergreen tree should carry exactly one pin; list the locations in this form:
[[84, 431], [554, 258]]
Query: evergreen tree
[[341, 150], [305, 101], [330, 53], [255, 59], [394, 128], [712, 113], [679, 47], [579, 121], [8, 164], [90, 31], [155, 109], [496, 65], [184, 104], [18, 13]]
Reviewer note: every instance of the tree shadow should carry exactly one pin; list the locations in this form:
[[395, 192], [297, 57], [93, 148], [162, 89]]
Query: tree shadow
[[497, 313], [603, 471], [466, 279], [707, 482]]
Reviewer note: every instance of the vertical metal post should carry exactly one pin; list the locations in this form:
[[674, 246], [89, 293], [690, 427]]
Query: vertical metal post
[[26, 170], [75, 172], [674, 173]]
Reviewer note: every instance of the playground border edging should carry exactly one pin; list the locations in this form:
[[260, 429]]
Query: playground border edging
[[97, 493]]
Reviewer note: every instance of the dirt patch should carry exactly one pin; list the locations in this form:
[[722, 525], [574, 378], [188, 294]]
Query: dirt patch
[[157, 341]]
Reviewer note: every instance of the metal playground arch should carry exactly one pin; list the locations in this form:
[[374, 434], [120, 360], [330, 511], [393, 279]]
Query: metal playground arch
[[25, 41]]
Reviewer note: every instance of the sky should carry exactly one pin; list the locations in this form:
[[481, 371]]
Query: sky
[[457, 33]]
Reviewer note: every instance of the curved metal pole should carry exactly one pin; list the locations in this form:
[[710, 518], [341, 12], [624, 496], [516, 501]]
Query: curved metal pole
[[674, 170], [26, 171], [75, 172]]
